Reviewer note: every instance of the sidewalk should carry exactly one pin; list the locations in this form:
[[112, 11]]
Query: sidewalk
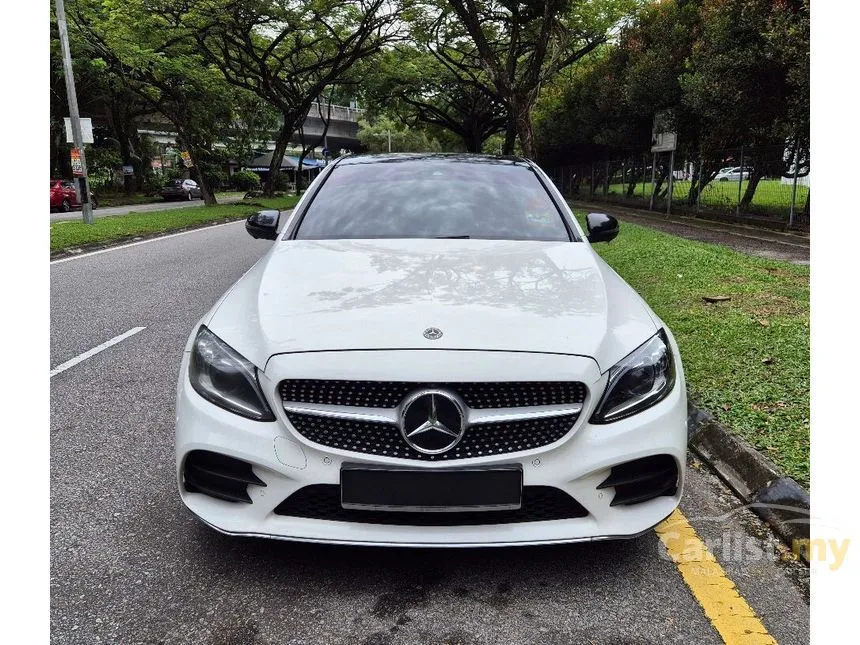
[[150, 207], [774, 245]]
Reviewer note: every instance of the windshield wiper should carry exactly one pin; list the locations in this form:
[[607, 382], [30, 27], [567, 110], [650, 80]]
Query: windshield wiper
[[453, 237]]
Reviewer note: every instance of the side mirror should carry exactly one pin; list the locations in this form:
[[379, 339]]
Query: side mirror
[[263, 225], [601, 227]]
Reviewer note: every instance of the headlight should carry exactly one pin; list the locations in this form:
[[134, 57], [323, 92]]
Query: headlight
[[222, 376], [638, 381]]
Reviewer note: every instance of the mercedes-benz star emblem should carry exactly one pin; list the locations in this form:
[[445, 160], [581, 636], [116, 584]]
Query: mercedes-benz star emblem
[[432, 421], [432, 333]]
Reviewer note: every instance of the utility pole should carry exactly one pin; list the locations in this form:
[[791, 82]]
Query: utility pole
[[389, 140], [84, 192]]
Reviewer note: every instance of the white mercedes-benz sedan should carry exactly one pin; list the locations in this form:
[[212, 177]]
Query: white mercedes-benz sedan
[[431, 354]]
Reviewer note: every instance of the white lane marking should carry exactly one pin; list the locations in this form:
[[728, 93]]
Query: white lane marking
[[95, 350], [154, 239]]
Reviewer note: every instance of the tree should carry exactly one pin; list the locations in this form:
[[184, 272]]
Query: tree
[[731, 72], [520, 45], [375, 136], [739, 85], [287, 53], [309, 145], [98, 90], [253, 121], [413, 85], [155, 55]]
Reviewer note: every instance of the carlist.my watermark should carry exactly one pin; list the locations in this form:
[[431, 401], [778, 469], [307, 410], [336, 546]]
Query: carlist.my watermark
[[738, 544]]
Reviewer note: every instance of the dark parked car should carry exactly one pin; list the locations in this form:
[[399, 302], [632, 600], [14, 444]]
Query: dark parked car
[[181, 189], [64, 198]]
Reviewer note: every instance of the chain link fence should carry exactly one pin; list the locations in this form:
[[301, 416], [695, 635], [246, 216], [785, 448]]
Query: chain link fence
[[767, 186]]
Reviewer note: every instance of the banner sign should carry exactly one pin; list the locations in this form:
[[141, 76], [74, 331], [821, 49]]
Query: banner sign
[[77, 166], [86, 130], [186, 159], [662, 139]]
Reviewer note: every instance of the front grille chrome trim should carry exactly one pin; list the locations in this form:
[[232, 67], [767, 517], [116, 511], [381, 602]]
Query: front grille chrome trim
[[374, 415], [503, 415], [473, 417]]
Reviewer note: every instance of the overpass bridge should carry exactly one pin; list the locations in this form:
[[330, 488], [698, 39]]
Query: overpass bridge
[[342, 131]]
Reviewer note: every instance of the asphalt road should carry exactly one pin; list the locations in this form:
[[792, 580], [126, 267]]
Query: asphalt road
[[129, 564], [140, 208]]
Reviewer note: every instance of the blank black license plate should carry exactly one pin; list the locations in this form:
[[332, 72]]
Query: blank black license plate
[[431, 490]]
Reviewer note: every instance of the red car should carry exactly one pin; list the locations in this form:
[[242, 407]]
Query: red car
[[64, 198]]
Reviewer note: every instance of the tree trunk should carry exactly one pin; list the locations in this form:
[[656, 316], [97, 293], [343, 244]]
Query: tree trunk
[[473, 141], [510, 138], [299, 178], [277, 157], [194, 153], [119, 127], [662, 175], [633, 180], [524, 129], [139, 159], [754, 179]]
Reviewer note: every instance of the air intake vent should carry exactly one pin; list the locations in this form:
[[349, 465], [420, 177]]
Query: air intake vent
[[219, 476], [322, 502], [642, 479]]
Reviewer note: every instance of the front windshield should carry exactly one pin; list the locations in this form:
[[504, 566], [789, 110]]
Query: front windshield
[[433, 197]]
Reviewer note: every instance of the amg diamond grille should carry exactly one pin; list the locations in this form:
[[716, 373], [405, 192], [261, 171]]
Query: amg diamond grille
[[322, 502], [388, 394], [385, 439]]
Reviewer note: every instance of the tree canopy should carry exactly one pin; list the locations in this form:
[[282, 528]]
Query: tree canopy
[[562, 80]]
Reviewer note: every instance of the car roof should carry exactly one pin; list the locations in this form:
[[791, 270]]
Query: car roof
[[395, 157]]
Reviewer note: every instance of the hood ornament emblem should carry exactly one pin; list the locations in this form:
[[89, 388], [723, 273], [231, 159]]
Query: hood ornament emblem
[[432, 333]]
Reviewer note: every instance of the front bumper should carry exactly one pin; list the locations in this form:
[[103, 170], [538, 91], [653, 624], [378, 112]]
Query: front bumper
[[287, 462]]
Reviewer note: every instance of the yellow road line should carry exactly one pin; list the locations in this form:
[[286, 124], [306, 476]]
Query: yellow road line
[[727, 610]]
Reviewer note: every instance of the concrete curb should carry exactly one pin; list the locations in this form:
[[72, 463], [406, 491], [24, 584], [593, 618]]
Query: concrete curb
[[780, 501]]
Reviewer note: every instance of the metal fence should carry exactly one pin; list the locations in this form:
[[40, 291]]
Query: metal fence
[[768, 186]]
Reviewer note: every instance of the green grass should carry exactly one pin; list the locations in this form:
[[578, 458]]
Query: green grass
[[71, 234], [771, 197], [746, 360]]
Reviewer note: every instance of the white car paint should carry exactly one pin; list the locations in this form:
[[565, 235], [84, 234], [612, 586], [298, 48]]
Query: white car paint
[[356, 309], [732, 174], [484, 294]]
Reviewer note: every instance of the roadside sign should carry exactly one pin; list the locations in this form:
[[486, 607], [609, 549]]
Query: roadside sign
[[128, 170], [77, 166], [325, 152], [186, 159], [86, 130], [662, 140]]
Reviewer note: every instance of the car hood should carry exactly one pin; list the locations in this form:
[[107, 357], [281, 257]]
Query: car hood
[[555, 297]]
